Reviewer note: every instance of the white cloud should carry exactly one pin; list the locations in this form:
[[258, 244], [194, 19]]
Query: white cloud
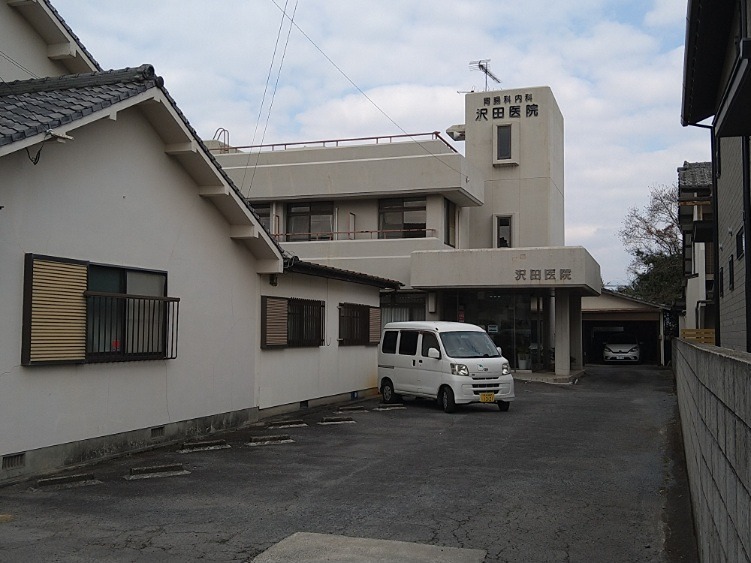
[[616, 73], [665, 13]]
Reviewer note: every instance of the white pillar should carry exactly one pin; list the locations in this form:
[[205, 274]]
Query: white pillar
[[548, 304], [575, 332], [562, 334]]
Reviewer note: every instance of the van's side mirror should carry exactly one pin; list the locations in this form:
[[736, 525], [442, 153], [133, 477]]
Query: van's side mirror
[[433, 353], [499, 350]]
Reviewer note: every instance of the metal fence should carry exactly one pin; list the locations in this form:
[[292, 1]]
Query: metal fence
[[123, 327]]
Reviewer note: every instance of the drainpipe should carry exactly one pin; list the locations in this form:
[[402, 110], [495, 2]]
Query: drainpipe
[[745, 147], [700, 304]]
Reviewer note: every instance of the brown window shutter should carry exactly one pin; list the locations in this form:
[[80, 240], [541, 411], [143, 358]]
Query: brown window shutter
[[273, 321], [54, 311], [375, 325]]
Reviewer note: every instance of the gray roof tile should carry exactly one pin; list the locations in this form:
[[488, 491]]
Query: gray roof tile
[[31, 107], [695, 175]]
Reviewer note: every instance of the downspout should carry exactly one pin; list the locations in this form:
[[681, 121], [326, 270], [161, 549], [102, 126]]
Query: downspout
[[745, 146], [700, 304], [747, 234], [716, 233]]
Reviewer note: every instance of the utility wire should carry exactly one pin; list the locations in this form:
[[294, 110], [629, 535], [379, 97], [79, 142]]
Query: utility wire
[[273, 95], [263, 97], [375, 105], [13, 61]]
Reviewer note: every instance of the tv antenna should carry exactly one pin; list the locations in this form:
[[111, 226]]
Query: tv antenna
[[483, 65]]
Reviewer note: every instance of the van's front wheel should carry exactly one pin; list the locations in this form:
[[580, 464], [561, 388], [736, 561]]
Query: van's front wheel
[[446, 399], [387, 391], [504, 405]]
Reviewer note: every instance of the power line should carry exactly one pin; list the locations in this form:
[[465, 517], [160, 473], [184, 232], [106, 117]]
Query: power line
[[13, 61], [263, 97], [360, 90], [273, 94]]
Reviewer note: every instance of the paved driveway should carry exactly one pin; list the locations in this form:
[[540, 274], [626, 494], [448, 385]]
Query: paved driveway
[[581, 472]]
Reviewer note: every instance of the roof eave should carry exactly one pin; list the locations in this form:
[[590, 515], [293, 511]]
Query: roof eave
[[50, 26], [312, 269], [704, 54], [183, 144], [193, 155]]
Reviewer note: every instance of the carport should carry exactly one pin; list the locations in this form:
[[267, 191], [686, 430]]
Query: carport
[[613, 312]]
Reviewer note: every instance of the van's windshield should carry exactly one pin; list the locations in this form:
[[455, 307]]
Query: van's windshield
[[469, 345]]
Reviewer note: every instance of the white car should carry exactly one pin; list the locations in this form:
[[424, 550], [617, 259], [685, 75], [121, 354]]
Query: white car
[[621, 347], [454, 363]]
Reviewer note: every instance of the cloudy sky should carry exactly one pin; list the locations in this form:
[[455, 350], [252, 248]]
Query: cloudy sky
[[615, 68]]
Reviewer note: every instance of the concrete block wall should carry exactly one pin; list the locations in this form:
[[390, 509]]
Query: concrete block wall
[[714, 397]]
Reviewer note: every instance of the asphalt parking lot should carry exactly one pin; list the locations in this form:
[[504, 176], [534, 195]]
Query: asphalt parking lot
[[585, 472]]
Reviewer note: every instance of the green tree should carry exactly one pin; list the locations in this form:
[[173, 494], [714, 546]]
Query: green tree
[[652, 236]]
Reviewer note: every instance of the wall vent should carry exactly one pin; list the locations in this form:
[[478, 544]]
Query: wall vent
[[13, 461], [157, 432]]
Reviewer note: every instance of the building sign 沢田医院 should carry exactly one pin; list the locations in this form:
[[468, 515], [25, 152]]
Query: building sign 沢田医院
[[550, 274], [507, 105]]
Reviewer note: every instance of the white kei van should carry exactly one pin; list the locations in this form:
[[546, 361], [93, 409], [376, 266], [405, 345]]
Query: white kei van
[[455, 363]]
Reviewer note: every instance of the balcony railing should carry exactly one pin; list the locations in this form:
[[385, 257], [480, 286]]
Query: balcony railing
[[353, 141], [382, 234], [122, 327]]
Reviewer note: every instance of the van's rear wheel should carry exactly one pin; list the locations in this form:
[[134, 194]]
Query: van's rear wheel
[[387, 391], [504, 405], [446, 399]]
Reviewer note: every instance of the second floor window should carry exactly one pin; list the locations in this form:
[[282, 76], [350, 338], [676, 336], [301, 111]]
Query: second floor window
[[449, 235], [503, 232], [503, 142], [310, 221], [401, 217]]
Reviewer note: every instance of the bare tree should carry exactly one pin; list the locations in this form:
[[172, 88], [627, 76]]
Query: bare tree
[[652, 236], [654, 229]]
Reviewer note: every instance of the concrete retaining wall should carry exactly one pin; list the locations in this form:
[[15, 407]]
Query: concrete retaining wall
[[714, 396]]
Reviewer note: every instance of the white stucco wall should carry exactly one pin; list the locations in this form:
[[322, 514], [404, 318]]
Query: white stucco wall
[[112, 196], [290, 375], [368, 170], [531, 191], [21, 43], [570, 267], [25, 50]]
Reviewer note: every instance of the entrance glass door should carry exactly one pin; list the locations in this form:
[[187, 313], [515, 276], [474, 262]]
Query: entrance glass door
[[513, 320]]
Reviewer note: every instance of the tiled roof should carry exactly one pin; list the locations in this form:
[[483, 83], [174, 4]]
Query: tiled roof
[[31, 107], [315, 269], [695, 175]]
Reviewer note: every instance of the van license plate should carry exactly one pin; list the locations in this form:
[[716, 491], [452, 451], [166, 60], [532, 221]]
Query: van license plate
[[487, 397]]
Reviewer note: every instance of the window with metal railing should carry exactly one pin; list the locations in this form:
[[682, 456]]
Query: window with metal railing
[[305, 322], [310, 221], [289, 322], [402, 217], [359, 324], [130, 327], [77, 312], [129, 316]]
